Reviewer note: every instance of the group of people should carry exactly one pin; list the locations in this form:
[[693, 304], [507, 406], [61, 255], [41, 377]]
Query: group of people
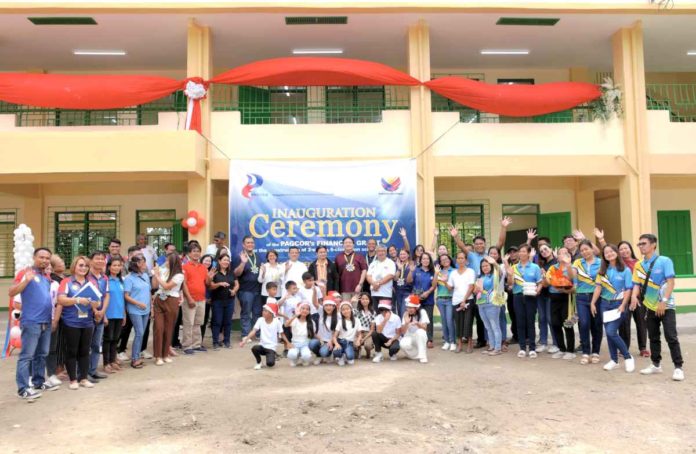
[[332, 311]]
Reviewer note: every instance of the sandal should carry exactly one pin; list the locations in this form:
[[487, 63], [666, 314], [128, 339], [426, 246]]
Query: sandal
[[585, 360], [108, 369], [137, 364], [115, 367]]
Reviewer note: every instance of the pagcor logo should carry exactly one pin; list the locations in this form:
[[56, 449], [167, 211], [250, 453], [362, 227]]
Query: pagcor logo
[[391, 184], [253, 181]]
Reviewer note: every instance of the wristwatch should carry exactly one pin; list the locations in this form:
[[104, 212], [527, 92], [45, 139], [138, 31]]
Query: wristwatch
[[664, 300]]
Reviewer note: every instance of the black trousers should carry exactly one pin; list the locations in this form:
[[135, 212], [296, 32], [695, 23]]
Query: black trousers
[[480, 328], [258, 351], [380, 339], [559, 314], [112, 334], [56, 351], [77, 343], [638, 317], [464, 321], [429, 311], [511, 313], [176, 342], [125, 334], [206, 319], [669, 323]]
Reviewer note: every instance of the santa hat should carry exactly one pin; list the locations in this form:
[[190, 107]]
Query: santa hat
[[272, 308], [413, 301], [384, 304], [346, 303], [334, 294], [304, 303], [329, 301]]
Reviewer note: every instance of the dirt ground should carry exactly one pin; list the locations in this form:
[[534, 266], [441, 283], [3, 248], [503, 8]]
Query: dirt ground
[[216, 402]]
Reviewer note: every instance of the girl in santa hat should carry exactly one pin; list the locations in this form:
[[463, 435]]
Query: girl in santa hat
[[415, 321], [347, 334], [302, 327], [270, 327], [323, 344]]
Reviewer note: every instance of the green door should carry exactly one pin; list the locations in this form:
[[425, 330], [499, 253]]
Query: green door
[[255, 105], [554, 226], [674, 236]]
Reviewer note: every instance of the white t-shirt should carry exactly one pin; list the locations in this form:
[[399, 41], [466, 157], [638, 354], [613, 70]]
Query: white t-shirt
[[351, 330], [289, 306], [297, 269], [272, 274], [392, 325], [378, 271], [269, 332], [307, 295], [150, 256], [178, 279], [423, 319], [324, 332], [299, 331], [461, 283]]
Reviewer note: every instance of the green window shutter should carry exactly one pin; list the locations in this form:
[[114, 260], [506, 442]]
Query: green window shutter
[[255, 105], [554, 226], [674, 236], [178, 236]]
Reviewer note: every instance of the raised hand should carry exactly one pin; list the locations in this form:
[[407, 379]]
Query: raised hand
[[531, 234], [506, 221], [243, 257], [599, 234], [578, 235], [402, 231], [454, 232], [29, 273]]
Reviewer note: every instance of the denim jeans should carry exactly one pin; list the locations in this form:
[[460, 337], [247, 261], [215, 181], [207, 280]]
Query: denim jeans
[[503, 323], [139, 323], [544, 310], [614, 341], [95, 348], [222, 320], [321, 350], [251, 308], [525, 312], [444, 305], [490, 314], [347, 348], [400, 300], [588, 325], [36, 340]]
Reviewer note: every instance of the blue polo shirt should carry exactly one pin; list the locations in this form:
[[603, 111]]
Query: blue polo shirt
[[525, 273], [248, 280], [614, 283], [474, 259], [585, 275], [137, 285], [487, 289], [117, 302], [422, 281], [69, 287], [36, 298], [662, 270]]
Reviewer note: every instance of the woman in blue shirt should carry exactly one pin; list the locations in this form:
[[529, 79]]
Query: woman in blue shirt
[[78, 322], [585, 272], [444, 302], [137, 287], [525, 279], [614, 286], [491, 291], [424, 283], [115, 314]]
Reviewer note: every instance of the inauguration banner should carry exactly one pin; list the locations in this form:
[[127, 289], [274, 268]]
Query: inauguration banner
[[307, 204]]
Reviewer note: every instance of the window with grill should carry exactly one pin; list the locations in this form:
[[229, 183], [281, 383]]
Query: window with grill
[[524, 216], [159, 226], [468, 219], [8, 222], [354, 104], [83, 232]]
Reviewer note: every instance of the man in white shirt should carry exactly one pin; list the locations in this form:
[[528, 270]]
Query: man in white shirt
[[148, 251], [380, 276], [217, 244], [294, 269], [387, 332]]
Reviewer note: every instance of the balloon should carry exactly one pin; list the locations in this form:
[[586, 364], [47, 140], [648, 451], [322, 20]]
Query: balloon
[[191, 222], [193, 214], [200, 223], [194, 229], [184, 224], [15, 332], [16, 343]]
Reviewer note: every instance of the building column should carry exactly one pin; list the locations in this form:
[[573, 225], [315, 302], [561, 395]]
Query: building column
[[634, 190], [421, 127], [199, 64], [585, 208]]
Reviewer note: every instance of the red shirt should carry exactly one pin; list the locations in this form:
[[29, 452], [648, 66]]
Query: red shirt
[[196, 275], [348, 280]]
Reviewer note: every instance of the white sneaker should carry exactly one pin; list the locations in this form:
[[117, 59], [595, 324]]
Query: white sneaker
[[377, 358], [678, 374], [293, 363], [558, 355], [305, 362], [446, 346], [257, 366], [453, 347], [123, 356], [630, 364], [159, 362], [569, 356], [55, 381], [146, 355], [521, 354], [553, 349], [341, 361], [540, 349], [393, 358], [317, 360], [168, 360], [652, 369], [351, 362], [532, 354], [423, 360], [611, 365]]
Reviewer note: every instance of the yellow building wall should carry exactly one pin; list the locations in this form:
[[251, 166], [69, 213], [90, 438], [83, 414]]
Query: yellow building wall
[[608, 218], [666, 137]]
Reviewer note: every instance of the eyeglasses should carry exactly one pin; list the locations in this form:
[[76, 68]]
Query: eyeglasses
[[641, 244]]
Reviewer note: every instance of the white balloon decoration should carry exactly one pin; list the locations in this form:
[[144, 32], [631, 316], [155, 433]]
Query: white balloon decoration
[[24, 248]]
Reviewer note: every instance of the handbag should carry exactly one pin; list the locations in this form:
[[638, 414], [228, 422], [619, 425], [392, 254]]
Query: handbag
[[572, 319]]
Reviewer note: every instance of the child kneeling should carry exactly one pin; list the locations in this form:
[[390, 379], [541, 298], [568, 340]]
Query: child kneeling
[[302, 327], [348, 332], [270, 328]]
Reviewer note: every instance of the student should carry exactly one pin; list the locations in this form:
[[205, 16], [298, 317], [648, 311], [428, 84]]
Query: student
[[312, 293], [271, 271], [78, 320], [287, 304], [614, 285], [444, 302], [413, 329], [302, 327], [387, 332], [461, 283], [560, 287], [525, 277], [403, 280], [136, 289], [169, 281], [34, 286], [115, 315], [223, 289], [490, 289], [323, 344], [97, 268], [424, 285], [653, 284], [196, 279], [585, 271], [269, 328], [366, 314], [348, 332]]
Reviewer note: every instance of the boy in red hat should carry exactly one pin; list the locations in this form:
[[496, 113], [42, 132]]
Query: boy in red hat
[[269, 327]]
